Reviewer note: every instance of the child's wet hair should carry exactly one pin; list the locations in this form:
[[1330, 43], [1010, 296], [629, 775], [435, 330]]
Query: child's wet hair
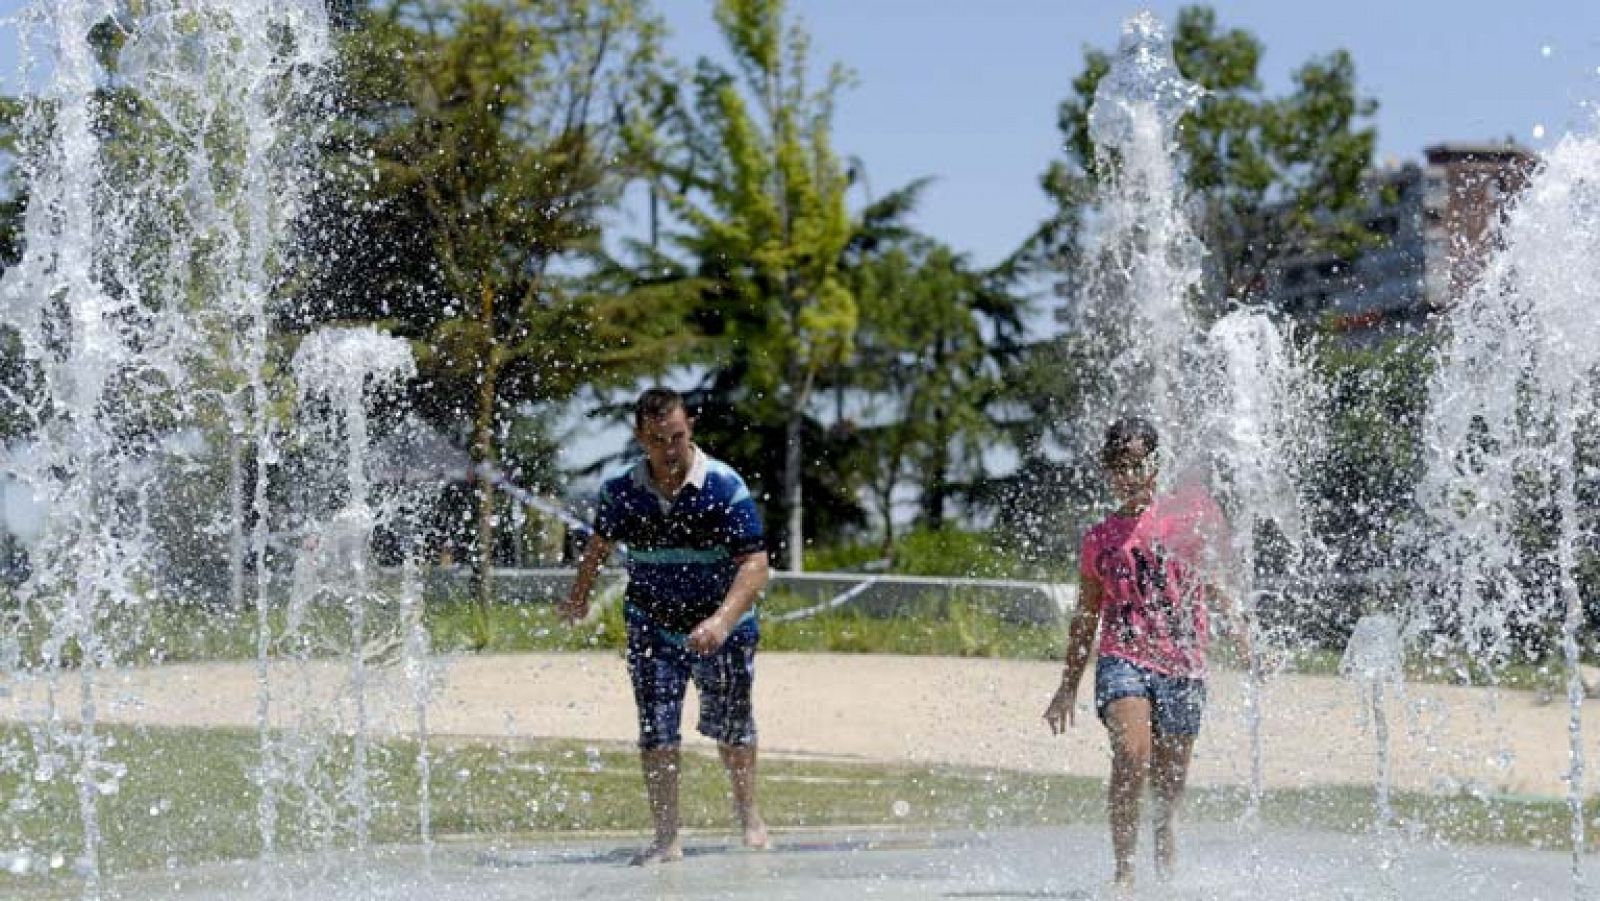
[[1129, 441]]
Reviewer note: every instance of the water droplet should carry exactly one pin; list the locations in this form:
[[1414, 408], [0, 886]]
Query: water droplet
[[901, 808], [1546, 51], [1538, 131]]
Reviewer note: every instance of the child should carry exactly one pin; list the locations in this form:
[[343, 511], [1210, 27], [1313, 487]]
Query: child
[[1144, 588]]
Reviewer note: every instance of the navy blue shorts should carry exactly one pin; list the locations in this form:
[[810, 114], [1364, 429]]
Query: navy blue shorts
[[661, 668], [1176, 703]]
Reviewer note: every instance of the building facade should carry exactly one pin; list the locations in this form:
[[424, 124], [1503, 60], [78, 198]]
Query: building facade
[[1436, 226]]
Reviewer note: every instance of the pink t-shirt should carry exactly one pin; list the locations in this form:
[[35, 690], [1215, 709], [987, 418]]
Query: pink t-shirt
[[1153, 609]]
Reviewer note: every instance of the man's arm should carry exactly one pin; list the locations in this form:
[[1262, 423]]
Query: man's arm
[[748, 583], [1080, 644], [576, 606]]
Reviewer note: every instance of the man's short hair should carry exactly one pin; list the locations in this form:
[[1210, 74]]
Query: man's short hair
[[1131, 439], [656, 403]]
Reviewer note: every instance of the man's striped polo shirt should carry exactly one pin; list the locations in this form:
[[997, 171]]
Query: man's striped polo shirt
[[683, 552]]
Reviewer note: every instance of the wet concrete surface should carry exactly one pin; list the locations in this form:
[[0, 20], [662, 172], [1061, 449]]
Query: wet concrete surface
[[1219, 862]]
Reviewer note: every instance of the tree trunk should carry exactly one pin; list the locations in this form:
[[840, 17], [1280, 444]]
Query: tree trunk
[[482, 462], [936, 483], [888, 527], [934, 490], [793, 458], [793, 493]]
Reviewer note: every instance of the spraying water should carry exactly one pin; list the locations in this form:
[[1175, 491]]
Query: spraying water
[[1231, 400], [1512, 412], [1260, 427], [161, 165], [1144, 263], [335, 369], [1374, 659], [77, 336]]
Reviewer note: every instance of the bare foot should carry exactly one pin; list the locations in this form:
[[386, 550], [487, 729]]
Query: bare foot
[[1166, 861], [756, 837], [1122, 884], [657, 853]]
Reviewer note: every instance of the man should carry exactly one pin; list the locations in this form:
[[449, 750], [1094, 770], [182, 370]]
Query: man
[[696, 563], [1148, 574]]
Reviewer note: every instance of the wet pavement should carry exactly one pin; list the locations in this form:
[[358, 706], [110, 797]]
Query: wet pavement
[[1220, 862]]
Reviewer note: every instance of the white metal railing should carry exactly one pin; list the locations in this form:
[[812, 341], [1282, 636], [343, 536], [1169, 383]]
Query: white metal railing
[[1040, 601]]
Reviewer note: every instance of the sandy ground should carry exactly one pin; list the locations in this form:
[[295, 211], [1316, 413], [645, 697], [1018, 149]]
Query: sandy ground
[[981, 713]]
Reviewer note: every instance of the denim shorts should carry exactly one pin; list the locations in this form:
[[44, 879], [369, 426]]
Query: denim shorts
[[661, 667], [1176, 703]]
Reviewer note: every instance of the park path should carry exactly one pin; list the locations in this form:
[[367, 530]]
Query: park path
[[934, 710]]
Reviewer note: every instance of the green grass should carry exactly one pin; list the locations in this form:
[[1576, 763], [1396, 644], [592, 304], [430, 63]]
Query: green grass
[[956, 624], [1550, 677], [961, 630], [188, 797]]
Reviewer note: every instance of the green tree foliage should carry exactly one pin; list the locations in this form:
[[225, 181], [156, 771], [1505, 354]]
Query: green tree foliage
[[934, 334], [1269, 175], [1057, 488], [766, 225], [1374, 445], [481, 145], [15, 377]]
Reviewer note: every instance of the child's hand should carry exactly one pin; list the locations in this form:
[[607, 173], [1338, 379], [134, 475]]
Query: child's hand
[[1060, 712]]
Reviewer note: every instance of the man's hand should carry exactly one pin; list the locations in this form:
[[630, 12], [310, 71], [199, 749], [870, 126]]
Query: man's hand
[[576, 606], [1060, 713], [573, 609], [707, 638]]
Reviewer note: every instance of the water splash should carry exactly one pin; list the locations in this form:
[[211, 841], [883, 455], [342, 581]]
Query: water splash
[[1512, 408], [1260, 428], [1143, 96], [1374, 660], [1231, 401], [161, 162], [335, 370]]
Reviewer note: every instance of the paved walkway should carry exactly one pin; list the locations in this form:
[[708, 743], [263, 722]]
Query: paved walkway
[[1065, 863], [966, 712]]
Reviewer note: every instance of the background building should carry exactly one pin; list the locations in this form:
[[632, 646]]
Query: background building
[[1436, 225]]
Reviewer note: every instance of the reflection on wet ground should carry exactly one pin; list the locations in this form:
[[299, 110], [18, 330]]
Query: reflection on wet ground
[[1220, 862]]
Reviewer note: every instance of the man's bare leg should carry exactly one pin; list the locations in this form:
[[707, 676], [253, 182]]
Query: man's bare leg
[[740, 761], [661, 785], [1128, 721], [1169, 765]]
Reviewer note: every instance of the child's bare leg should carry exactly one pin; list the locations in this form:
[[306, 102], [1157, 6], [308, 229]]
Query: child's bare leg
[[1128, 721], [1169, 770]]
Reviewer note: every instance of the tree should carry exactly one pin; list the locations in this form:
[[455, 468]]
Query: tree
[[766, 224], [484, 142], [1054, 492], [15, 375], [934, 334], [1269, 176]]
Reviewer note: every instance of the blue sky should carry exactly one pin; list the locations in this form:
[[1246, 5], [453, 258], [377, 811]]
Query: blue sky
[[966, 90]]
